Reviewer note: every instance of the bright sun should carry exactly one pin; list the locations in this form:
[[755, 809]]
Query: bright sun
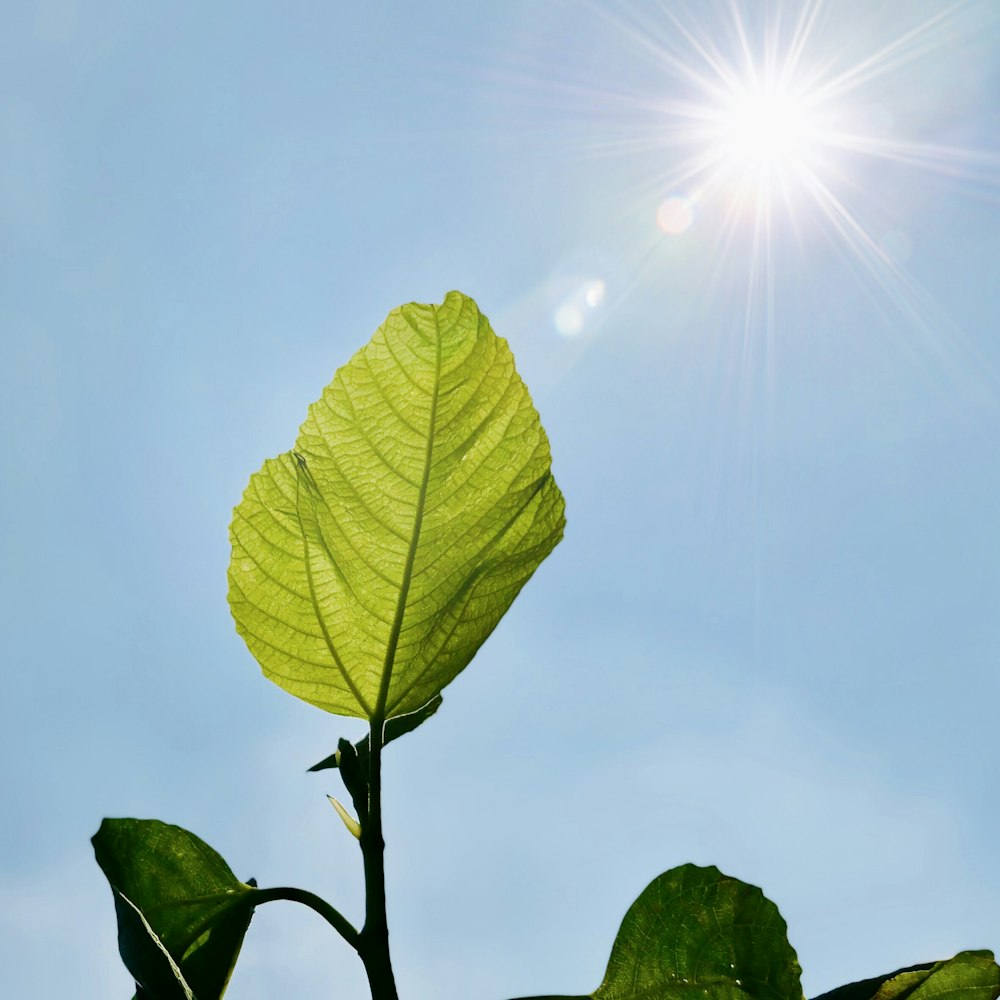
[[766, 130], [760, 128], [771, 131], [777, 125]]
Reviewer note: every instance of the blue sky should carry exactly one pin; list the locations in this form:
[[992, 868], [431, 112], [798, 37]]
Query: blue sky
[[770, 638]]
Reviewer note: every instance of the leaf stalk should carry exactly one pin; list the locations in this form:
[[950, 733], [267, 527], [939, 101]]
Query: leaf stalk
[[332, 916]]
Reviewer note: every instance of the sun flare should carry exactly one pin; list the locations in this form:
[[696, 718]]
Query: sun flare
[[759, 125], [767, 129], [770, 133], [774, 143]]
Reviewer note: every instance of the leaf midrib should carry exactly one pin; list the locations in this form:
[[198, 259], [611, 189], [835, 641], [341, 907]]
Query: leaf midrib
[[411, 555]]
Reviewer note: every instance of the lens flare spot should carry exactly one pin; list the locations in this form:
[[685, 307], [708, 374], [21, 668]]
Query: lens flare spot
[[595, 293], [577, 305], [675, 215], [569, 319]]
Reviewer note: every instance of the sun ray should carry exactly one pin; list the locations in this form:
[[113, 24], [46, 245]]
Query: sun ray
[[891, 57], [770, 125], [761, 134]]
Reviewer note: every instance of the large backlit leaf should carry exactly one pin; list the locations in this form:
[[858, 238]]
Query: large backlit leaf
[[372, 561], [970, 975], [696, 934], [182, 914]]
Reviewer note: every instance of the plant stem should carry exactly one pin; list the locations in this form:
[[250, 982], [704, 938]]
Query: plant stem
[[373, 943], [333, 917]]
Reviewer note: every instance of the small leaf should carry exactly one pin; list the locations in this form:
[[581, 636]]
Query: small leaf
[[696, 933], [370, 564], [353, 826], [354, 776], [970, 975], [327, 763], [398, 726], [865, 989], [182, 914]]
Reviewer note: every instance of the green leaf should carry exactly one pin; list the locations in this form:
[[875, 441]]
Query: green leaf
[[182, 914], [970, 975], [371, 562], [696, 933], [392, 730], [865, 989]]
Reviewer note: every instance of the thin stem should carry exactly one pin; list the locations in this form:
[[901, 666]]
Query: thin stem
[[373, 944], [333, 917]]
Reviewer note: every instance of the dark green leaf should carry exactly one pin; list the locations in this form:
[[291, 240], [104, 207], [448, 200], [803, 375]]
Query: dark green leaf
[[970, 975], [865, 989], [400, 725], [333, 761], [354, 772], [395, 727], [182, 914], [696, 933]]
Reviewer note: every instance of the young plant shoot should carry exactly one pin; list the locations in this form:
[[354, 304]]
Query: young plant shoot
[[369, 564]]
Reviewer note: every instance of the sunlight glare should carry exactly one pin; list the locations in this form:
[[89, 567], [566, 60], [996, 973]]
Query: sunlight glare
[[766, 129], [569, 319], [767, 133], [675, 215], [780, 135]]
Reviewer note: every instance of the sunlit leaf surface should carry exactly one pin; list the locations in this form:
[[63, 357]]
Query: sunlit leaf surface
[[371, 562]]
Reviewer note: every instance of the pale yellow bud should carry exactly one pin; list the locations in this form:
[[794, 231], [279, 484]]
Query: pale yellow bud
[[349, 821]]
